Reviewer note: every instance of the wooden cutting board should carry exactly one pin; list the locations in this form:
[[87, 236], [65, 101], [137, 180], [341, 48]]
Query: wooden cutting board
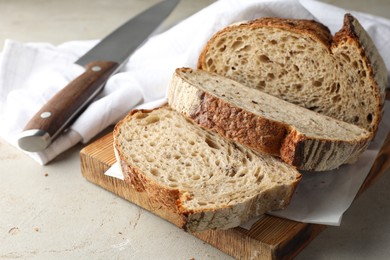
[[269, 238]]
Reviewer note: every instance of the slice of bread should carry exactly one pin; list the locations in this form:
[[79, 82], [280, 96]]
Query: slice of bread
[[205, 179], [343, 76], [301, 137]]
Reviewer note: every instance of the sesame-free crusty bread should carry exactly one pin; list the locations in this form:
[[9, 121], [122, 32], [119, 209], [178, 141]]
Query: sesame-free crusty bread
[[205, 179], [299, 61], [301, 137]]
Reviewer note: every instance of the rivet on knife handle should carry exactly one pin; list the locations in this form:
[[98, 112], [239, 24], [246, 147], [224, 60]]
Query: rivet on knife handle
[[65, 106]]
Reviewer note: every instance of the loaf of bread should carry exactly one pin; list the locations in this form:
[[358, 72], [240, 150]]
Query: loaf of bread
[[205, 179], [343, 76], [301, 137]]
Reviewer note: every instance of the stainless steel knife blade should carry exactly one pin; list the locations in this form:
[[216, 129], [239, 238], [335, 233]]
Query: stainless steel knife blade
[[101, 62]]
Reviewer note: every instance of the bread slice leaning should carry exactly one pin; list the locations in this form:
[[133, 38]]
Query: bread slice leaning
[[301, 137], [343, 77], [205, 179]]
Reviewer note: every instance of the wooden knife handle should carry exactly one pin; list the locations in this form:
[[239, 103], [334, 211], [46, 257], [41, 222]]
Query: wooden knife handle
[[60, 111]]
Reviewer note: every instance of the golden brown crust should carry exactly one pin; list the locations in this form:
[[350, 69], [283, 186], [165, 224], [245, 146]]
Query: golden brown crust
[[262, 134], [292, 150], [346, 32]]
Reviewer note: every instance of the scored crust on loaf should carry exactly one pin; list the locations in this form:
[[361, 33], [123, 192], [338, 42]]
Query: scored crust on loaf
[[299, 61], [301, 137], [211, 182]]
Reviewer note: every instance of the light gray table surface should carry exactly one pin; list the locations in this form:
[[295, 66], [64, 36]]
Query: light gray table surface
[[52, 212]]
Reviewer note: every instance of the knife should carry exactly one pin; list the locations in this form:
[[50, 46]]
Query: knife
[[102, 61]]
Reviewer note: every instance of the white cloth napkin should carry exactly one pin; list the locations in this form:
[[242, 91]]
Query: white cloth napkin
[[32, 73]]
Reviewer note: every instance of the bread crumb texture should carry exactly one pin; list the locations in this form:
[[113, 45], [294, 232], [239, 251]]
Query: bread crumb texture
[[220, 184]]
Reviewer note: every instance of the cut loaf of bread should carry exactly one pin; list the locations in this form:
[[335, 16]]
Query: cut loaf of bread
[[205, 179], [301, 137], [299, 61]]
